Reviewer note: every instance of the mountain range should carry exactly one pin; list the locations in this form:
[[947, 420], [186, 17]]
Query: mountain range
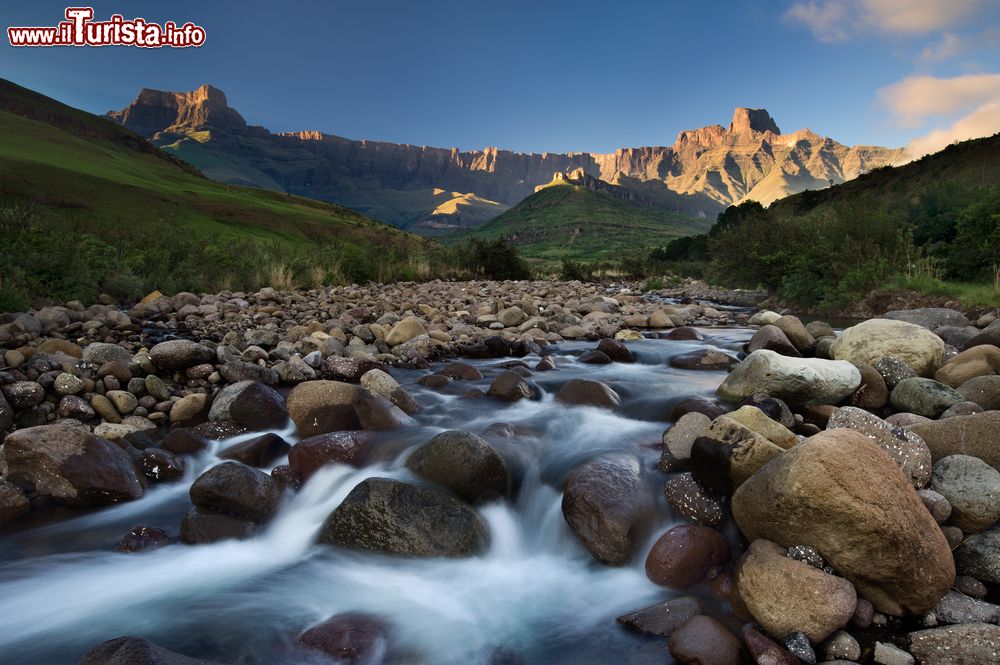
[[432, 190]]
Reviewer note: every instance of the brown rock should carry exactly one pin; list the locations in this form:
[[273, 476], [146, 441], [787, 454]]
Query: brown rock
[[349, 638], [602, 502], [586, 392], [787, 596], [683, 556], [309, 455], [318, 407], [260, 451], [839, 493], [982, 360], [973, 435], [663, 618]]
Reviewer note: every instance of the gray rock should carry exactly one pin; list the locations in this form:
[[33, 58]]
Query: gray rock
[[979, 556], [663, 618], [678, 439], [393, 517], [794, 380], [841, 645], [890, 654], [936, 504], [956, 607], [906, 448], [693, 501], [236, 489], [929, 317], [135, 651], [925, 397], [463, 463], [178, 354], [972, 487], [98, 353], [24, 394], [961, 644], [894, 370], [983, 390]]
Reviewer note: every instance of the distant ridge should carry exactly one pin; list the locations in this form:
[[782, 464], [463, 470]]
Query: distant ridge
[[702, 172]]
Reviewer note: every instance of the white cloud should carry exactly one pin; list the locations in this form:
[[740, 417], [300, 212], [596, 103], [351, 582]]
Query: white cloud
[[916, 98], [983, 121], [839, 20], [948, 47]]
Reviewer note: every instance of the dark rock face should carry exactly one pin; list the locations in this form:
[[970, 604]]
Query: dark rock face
[[393, 517], [464, 463], [616, 350], [135, 651], [260, 452], [69, 465], [161, 466], [141, 538], [13, 503], [602, 502], [238, 490], [201, 527], [349, 638], [706, 359], [182, 441], [308, 455], [510, 386], [259, 407]]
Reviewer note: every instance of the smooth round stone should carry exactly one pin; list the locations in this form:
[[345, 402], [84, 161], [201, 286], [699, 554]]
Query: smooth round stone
[[683, 556]]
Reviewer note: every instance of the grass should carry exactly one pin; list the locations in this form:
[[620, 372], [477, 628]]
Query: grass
[[569, 222], [971, 295], [86, 206]]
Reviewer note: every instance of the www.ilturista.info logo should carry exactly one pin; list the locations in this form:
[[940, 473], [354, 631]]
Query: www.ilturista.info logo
[[80, 29]]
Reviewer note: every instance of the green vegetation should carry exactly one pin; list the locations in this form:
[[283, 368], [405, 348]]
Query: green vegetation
[[932, 226], [87, 207], [567, 222]]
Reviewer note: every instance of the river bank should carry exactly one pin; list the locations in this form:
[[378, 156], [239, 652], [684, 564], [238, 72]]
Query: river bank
[[494, 472]]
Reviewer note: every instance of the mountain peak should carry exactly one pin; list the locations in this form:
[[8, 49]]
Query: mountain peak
[[153, 111], [752, 120]]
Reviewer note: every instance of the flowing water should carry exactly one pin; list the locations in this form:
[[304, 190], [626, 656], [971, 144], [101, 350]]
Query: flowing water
[[536, 596]]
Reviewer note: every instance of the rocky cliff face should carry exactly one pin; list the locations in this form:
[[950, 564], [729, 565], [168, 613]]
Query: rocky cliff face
[[704, 170]]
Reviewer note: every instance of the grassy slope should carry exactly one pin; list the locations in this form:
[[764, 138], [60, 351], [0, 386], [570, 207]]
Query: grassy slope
[[566, 221], [973, 163], [80, 167]]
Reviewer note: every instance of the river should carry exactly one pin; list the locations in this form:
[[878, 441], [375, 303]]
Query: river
[[536, 596]]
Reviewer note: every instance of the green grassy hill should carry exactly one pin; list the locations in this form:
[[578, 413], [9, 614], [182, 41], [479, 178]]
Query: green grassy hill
[[86, 205], [932, 225], [567, 221]]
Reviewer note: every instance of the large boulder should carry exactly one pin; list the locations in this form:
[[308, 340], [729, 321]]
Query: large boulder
[[180, 354], [974, 435], [70, 466], [870, 340], [136, 651], [602, 502], [972, 487], [794, 380], [258, 407], [394, 517], [377, 413], [464, 463], [786, 596], [318, 407], [906, 448], [839, 493], [587, 392], [511, 387], [982, 360], [237, 489]]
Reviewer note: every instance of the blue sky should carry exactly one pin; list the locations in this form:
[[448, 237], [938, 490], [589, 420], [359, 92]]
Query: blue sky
[[546, 75]]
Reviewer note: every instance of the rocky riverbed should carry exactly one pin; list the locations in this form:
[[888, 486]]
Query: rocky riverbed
[[494, 472]]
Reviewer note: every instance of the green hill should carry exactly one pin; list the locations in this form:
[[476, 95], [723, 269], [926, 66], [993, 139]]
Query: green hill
[[86, 205], [932, 225], [569, 221]]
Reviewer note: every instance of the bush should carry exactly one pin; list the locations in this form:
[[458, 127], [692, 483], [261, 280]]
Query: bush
[[575, 270]]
